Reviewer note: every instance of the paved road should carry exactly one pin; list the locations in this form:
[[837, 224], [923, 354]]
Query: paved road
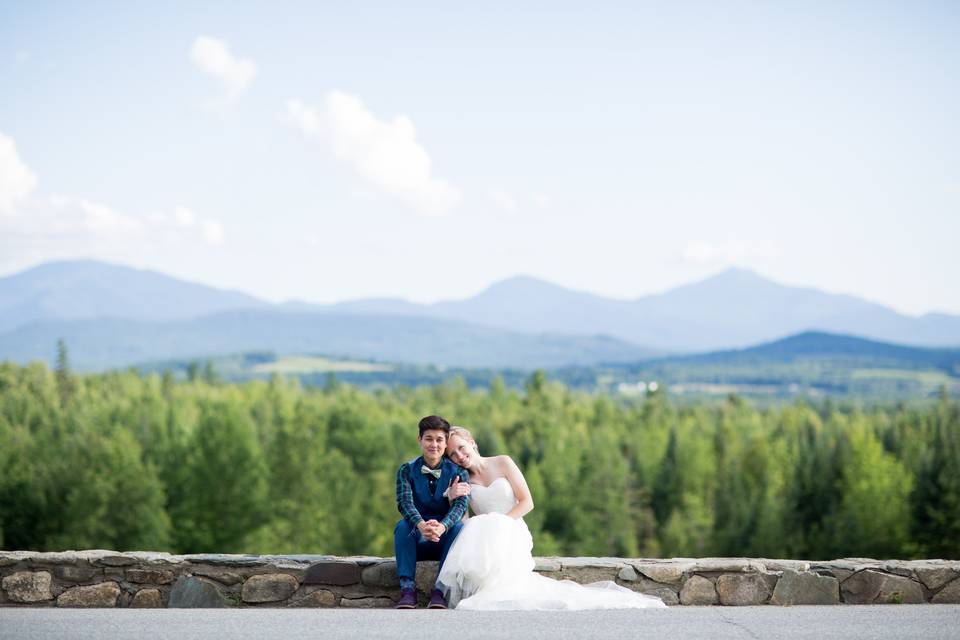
[[816, 623]]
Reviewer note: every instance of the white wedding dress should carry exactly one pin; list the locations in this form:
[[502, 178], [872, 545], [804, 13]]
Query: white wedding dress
[[490, 566]]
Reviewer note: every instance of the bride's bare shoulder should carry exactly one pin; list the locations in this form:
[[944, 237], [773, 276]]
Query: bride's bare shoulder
[[505, 462]]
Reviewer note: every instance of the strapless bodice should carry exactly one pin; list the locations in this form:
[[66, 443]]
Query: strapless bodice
[[496, 498]]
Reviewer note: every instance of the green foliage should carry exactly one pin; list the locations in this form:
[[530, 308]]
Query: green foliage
[[128, 461]]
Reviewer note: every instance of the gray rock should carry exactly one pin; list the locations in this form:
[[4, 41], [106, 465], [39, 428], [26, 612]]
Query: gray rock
[[367, 603], [28, 586], [270, 587], [629, 574], [224, 577], [934, 578], [196, 593], [742, 589], [587, 573], [839, 574], [950, 594], [668, 595], [149, 576], [103, 594], [319, 598], [226, 560], [117, 561], [8, 561], [783, 565], [899, 567], [382, 574], [147, 599], [874, 587], [663, 572], [75, 573], [546, 564], [334, 572], [728, 565], [426, 576], [805, 588], [698, 590]]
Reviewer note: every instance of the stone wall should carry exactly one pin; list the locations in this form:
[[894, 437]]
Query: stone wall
[[98, 578]]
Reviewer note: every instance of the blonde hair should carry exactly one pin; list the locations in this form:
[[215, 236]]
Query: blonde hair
[[463, 433]]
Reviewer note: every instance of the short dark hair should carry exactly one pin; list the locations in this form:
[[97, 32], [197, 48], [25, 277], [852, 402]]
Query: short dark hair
[[434, 423]]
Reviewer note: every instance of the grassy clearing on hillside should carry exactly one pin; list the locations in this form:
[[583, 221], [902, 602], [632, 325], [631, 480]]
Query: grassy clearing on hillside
[[315, 364]]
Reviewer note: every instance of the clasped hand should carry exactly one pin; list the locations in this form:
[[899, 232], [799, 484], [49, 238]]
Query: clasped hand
[[431, 530]]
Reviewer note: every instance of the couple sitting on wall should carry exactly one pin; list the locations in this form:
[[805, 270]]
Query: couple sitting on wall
[[486, 561]]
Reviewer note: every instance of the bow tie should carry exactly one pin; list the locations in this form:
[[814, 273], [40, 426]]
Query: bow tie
[[425, 470]]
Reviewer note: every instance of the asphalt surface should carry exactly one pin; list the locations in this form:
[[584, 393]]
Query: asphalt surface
[[820, 623]]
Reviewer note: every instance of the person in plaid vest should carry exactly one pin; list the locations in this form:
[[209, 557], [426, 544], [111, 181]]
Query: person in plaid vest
[[430, 521]]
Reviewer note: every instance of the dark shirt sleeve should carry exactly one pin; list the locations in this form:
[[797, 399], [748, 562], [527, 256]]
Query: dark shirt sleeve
[[459, 506], [405, 504]]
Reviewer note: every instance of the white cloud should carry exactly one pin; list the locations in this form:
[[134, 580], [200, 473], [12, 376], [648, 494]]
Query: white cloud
[[385, 154], [213, 232], [213, 56], [730, 251], [17, 181], [541, 200], [46, 227], [504, 200]]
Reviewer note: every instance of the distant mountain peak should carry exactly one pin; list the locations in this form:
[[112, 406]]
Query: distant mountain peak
[[522, 280]]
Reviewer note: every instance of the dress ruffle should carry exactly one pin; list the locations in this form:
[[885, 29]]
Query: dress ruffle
[[490, 567]]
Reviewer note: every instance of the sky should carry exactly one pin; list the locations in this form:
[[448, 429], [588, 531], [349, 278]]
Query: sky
[[325, 151]]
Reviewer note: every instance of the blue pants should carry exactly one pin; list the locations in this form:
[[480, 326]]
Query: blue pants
[[410, 546]]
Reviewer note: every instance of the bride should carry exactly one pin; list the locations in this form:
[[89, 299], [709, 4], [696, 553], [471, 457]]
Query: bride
[[489, 565]]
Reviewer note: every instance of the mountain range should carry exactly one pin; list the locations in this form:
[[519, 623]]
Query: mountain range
[[113, 315]]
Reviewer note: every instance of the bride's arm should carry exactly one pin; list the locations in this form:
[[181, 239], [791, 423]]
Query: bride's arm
[[520, 489]]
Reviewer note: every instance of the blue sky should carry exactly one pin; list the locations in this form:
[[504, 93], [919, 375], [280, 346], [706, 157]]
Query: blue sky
[[328, 151]]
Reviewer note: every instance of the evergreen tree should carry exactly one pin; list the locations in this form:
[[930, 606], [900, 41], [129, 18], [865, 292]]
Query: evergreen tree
[[65, 381]]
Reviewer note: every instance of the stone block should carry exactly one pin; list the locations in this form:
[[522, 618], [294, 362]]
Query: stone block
[[367, 603], [668, 595], [149, 576], [874, 587], [742, 589], [382, 574], [147, 599], [934, 578], [698, 590], [665, 573], [727, 565], [805, 587], [839, 574], [899, 567], [586, 573], [102, 595], [783, 565], [196, 593], [117, 561], [547, 565], [75, 573], [223, 577], [320, 598], [226, 560], [426, 576], [950, 594], [28, 586], [269, 587], [333, 572], [628, 574]]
